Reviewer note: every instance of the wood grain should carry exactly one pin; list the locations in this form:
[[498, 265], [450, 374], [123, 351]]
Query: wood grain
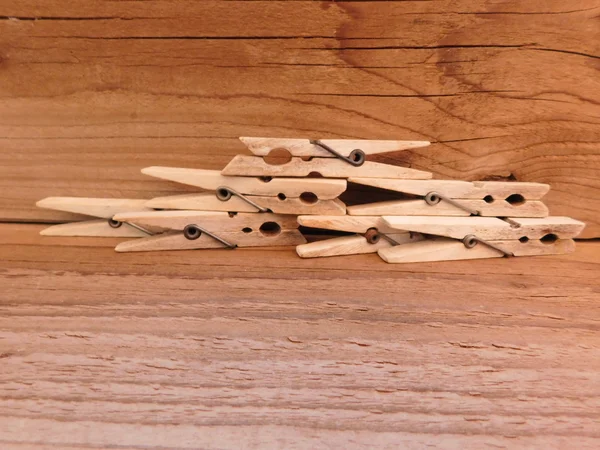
[[93, 91], [201, 350]]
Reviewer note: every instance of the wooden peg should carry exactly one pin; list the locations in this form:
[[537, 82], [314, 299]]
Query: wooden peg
[[487, 228], [327, 167], [499, 208], [349, 224], [441, 249], [278, 205], [92, 228], [104, 208], [213, 220], [324, 189], [350, 245], [303, 147], [476, 190], [177, 241]]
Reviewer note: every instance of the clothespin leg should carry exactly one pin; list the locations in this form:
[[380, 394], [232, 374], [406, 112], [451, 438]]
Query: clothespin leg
[[352, 245], [93, 228], [175, 240], [442, 249]]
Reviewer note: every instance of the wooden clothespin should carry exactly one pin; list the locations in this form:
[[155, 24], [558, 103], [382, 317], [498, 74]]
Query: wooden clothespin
[[456, 198], [372, 234], [211, 180], [102, 208], [248, 194], [188, 230], [331, 158], [457, 238]]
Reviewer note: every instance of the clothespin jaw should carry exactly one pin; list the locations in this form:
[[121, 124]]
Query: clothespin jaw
[[348, 224], [103, 208], [457, 198], [187, 230], [251, 194], [306, 147], [327, 167], [211, 180], [372, 235], [457, 238], [370, 242], [331, 158], [441, 249], [225, 200]]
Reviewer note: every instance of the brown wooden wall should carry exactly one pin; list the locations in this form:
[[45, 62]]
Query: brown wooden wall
[[91, 91]]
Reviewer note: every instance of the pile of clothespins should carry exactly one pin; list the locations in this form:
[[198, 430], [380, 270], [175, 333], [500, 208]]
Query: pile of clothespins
[[253, 202]]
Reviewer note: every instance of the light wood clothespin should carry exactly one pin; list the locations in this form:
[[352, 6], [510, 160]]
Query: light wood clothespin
[[331, 158], [211, 180], [456, 198], [102, 208], [225, 200], [247, 194], [458, 238], [372, 235], [188, 230]]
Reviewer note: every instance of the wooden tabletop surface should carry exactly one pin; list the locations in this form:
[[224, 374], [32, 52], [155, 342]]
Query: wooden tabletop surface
[[261, 349], [257, 348]]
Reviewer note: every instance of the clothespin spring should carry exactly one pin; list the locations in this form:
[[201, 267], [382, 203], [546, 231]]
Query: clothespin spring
[[356, 158], [116, 224], [373, 236], [193, 232], [433, 198], [224, 193], [471, 241]]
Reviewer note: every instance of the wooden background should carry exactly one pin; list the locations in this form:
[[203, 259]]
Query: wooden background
[[258, 348], [94, 90]]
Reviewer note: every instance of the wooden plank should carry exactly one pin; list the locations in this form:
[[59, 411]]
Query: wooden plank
[[178, 87], [344, 20], [299, 357]]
